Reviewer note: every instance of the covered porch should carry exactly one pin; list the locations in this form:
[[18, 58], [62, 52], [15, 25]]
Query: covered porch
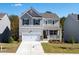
[[52, 35]]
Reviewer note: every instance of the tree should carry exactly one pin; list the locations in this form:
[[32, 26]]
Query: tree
[[62, 20], [14, 26]]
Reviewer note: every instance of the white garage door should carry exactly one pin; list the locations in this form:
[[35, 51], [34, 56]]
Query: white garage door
[[30, 37]]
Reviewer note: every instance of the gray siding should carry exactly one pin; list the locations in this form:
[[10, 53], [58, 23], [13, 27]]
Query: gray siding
[[25, 16], [20, 22], [71, 28]]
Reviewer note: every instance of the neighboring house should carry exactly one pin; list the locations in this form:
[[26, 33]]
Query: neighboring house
[[71, 27], [47, 25], [4, 27]]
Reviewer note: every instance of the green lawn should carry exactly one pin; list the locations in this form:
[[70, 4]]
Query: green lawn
[[60, 48], [9, 47]]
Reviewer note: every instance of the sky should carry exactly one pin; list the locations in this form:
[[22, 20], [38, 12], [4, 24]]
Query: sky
[[61, 9]]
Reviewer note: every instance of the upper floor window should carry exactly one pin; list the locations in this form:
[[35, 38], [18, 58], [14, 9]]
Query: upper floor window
[[36, 22], [25, 21], [55, 21], [50, 21], [78, 17]]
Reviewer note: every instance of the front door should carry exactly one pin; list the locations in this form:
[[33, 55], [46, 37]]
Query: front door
[[44, 34]]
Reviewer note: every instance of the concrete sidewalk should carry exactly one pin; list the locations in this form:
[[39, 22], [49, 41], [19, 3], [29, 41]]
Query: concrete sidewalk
[[30, 48]]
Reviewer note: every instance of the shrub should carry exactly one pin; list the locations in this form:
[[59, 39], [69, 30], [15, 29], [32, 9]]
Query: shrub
[[54, 41], [10, 40], [15, 38], [71, 40], [50, 41]]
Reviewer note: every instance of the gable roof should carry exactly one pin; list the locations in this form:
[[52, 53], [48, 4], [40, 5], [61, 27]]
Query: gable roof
[[33, 13], [4, 22], [49, 15], [2, 15]]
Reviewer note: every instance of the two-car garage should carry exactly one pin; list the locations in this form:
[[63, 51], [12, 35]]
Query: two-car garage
[[31, 36]]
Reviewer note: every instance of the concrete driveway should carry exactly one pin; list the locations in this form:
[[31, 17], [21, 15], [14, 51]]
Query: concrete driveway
[[30, 48]]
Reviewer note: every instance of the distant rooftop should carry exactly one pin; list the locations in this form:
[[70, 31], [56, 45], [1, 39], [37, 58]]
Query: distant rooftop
[[2, 15]]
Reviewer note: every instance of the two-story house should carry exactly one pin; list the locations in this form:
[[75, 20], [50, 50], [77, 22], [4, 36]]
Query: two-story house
[[45, 25]]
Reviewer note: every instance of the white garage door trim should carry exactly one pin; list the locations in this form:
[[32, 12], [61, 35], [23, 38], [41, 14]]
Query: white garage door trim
[[33, 36]]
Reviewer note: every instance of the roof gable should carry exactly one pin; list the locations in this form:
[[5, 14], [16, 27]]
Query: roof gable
[[33, 13]]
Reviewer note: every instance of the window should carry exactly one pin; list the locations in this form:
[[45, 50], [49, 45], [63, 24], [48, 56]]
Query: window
[[36, 22], [53, 32], [49, 21], [53, 21], [46, 22], [78, 17], [25, 21]]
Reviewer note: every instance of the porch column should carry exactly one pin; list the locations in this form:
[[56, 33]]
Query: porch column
[[48, 36], [59, 34], [31, 21]]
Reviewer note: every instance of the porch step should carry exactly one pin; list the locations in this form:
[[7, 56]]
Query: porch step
[[54, 41]]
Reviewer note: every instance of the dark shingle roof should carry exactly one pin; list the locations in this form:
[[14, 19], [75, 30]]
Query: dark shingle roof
[[33, 13], [49, 15]]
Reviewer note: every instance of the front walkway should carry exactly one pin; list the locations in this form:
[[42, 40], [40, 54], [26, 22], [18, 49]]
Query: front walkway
[[30, 48]]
